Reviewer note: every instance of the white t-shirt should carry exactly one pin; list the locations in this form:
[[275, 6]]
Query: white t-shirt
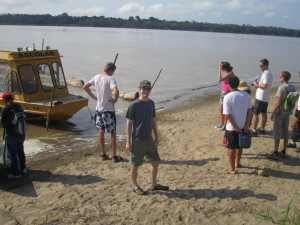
[[299, 103], [104, 86], [264, 94], [237, 104]]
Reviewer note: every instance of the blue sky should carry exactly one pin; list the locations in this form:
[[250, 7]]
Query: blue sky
[[281, 13]]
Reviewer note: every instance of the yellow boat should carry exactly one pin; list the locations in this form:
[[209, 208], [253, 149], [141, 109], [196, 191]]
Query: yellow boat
[[36, 80]]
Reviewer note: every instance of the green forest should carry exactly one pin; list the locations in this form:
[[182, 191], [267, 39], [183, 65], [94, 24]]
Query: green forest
[[136, 22]]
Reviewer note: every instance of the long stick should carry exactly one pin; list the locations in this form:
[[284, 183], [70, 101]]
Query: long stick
[[116, 58], [5, 147], [156, 78], [49, 112], [90, 113]]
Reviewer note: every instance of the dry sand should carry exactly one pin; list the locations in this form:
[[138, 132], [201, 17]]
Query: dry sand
[[78, 188]]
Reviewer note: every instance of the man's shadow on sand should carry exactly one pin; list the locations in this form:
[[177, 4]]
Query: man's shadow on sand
[[289, 161], [24, 186], [236, 194], [190, 162]]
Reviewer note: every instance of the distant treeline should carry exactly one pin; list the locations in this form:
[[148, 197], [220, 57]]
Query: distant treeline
[[136, 22]]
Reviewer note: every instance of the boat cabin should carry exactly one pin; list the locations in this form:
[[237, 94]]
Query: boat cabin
[[36, 80]]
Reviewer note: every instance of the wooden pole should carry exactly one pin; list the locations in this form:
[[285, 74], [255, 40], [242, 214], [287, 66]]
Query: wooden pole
[[49, 112], [116, 58], [156, 78]]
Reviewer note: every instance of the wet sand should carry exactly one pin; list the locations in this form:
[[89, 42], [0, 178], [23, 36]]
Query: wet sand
[[73, 186]]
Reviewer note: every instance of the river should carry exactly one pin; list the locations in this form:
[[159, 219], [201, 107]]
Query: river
[[189, 62]]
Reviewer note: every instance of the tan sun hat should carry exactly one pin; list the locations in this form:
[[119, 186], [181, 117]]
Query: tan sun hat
[[243, 86]]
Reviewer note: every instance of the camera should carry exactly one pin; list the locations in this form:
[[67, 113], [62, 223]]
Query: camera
[[255, 81]]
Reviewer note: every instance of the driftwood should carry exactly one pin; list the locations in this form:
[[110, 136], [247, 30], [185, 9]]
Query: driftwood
[[130, 96], [74, 82]]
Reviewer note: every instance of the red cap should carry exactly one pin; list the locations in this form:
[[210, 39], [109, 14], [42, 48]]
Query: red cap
[[6, 95]]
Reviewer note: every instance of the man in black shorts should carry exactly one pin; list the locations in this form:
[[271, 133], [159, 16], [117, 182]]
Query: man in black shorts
[[262, 96], [139, 142], [237, 109]]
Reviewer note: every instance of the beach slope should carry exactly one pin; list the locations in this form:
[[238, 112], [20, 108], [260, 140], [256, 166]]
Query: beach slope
[[78, 188]]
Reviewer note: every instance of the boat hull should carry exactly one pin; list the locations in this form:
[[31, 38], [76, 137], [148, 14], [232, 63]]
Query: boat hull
[[62, 108]]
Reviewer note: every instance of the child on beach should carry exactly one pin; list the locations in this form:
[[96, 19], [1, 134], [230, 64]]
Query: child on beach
[[105, 83]]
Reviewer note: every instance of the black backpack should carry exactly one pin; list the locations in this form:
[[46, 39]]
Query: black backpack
[[19, 120]]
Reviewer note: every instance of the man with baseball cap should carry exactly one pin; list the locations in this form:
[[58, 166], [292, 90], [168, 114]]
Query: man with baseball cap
[[14, 142], [139, 142]]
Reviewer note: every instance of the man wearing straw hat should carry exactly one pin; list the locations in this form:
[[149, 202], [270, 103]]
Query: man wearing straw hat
[[243, 86]]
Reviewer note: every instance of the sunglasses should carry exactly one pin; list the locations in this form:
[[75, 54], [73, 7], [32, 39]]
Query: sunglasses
[[146, 88]]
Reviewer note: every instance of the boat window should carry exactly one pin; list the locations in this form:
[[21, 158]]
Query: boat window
[[4, 75], [45, 77], [59, 75], [28, 80], [15, 87]]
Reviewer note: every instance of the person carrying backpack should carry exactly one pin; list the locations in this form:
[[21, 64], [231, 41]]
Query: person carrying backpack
[[281, 115], [14, 122]]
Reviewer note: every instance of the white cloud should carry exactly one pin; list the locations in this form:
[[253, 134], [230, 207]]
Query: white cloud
[[8, 2], [205, 5], [233, 5], [265, 9], [259, 7], [131, 8], [157, 8], [176, 9], [13, 3], [217, 14], [135, 8], [96, 11], [18, 3], [270, 14], [247, 12]]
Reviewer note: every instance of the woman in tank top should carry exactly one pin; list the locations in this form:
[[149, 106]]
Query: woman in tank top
[[224, 66]]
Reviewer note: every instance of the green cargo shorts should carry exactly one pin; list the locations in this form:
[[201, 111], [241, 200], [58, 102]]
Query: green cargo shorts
[[142, 148]]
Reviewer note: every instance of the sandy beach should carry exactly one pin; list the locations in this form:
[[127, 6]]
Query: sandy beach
[[78, 188]]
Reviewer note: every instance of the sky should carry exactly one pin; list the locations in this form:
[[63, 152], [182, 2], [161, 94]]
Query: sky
[[279, 13]]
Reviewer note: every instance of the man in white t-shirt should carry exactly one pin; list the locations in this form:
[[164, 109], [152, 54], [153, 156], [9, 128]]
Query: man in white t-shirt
[[263, 85], [105, 109], [237, 109]]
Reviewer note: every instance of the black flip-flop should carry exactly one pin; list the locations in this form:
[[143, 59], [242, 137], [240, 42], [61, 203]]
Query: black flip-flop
[[104, 157], [159, 187], [139, 191]]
